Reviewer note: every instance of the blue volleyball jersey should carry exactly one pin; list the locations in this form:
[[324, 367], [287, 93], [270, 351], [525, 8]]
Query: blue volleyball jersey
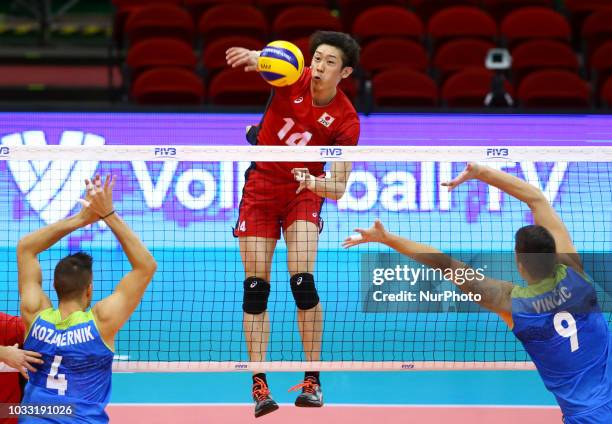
[[77, 368], [561, 326]]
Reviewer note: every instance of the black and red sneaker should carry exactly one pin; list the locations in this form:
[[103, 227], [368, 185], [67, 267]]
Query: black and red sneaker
[[311, 396], [264, 404]]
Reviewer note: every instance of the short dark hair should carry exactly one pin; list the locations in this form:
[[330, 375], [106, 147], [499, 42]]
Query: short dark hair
[[536, 250], [344, 42], [72, 275]]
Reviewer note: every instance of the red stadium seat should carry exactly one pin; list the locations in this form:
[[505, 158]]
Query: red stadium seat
[[386, 53], [460, 54], [302, 21], [535, 22], [461, 22], [427, 8], [198, 7], [404, 88], [125, 8], [601, 63], [213, 56], [168, 86], [387, 21], [554, 89], [597, 29], [580, 9], [121, 4], [160, 52], [303, 43], [159, 20], [469, 88], [542, 54], [233, 19], [606, 93], [500, 8], [236, 87], [586, 6], [350, 9], [272, 8]]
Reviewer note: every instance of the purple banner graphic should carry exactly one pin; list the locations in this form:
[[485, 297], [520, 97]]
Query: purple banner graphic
[[229, 129], [194, 198]]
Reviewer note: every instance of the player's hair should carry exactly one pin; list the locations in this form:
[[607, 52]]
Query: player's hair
[[344, 42], [72, 275], [536, 250]]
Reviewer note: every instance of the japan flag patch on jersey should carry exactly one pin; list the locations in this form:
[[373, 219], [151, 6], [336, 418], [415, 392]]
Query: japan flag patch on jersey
[[326, 119]]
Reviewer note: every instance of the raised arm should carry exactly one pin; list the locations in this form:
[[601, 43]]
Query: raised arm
[[542, 211], [331, 188], [29, 275], [495, 294], [113, 311]]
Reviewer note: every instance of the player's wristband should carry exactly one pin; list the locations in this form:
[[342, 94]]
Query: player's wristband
[[106, 216]]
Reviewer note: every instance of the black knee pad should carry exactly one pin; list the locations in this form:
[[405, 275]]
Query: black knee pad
[[304, 291], [256, 292]]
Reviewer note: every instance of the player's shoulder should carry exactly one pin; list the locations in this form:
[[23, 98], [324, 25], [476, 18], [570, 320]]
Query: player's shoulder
[[11, 327], [344, 114], [7, 319], [344, 104]]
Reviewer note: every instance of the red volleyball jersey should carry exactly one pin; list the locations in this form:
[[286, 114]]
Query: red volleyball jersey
[[11, 331], [292, 119]]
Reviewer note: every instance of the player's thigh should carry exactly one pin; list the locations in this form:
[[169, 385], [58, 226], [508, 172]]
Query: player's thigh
[[302, 238], [260, 210], [257, 254]]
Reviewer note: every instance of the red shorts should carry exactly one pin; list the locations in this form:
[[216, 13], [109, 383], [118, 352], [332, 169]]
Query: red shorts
[[268, 205]]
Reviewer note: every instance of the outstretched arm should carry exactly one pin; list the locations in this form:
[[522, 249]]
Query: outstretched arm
[[113, 311], [21, 360], [239, 56], [495, 294], [542, 211], [29, 275]]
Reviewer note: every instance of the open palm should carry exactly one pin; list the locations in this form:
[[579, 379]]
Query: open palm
[[376, 233], [470, 172]]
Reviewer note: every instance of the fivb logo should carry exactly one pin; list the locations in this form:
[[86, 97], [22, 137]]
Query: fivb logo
[[330, 152], [52, 188], [498, 153]]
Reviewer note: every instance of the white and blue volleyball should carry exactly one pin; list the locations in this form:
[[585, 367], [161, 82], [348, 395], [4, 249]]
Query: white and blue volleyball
[[280, 63]]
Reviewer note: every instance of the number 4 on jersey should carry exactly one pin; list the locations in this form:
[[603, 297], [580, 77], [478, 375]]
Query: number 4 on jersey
[[57, 381]]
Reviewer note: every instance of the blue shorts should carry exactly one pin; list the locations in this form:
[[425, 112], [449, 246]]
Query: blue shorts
[[601, 415]]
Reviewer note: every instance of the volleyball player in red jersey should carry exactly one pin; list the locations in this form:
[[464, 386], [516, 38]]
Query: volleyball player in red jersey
[[287, 198], [12, 333]]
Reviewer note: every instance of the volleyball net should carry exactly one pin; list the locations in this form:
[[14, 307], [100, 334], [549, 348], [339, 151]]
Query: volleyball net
[[381, 310]]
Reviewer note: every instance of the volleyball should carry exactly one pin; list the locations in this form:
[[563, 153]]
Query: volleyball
[[280, 63]]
